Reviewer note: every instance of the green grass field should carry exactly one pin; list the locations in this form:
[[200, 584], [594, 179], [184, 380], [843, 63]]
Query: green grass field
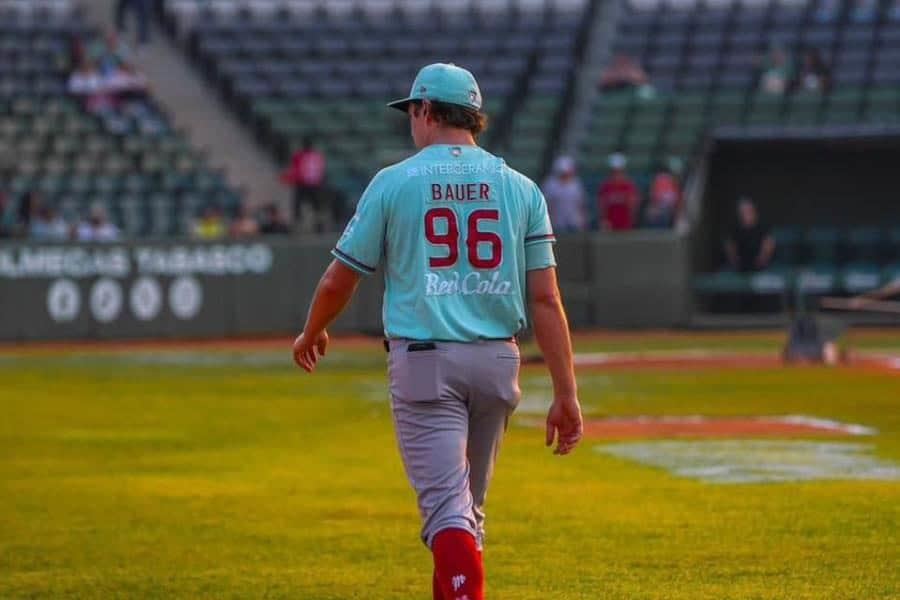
[[197, 473]]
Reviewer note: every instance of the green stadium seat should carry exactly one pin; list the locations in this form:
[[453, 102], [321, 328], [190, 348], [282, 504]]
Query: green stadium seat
[[727, 108], [642, 139], [722, 282], [892, 242], [882, 106], [765, 109], [803, 108], [864, 243], [842, 106], [683, 137], [822, 244], [891, 272], [106, 184], [49, 185], [80, 183], [787, 245], [640, 162]]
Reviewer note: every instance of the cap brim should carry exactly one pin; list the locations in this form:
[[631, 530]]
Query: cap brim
[[400, 104]]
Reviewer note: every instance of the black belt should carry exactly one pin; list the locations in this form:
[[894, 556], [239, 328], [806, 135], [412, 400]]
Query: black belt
[[419, 345]]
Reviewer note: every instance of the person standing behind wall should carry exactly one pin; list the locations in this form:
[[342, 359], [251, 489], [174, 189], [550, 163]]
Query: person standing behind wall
[[141, 9], [306, 174], [565, 197], [617, 197]]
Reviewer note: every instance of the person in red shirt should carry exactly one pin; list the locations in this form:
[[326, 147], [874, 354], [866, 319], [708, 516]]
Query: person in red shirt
[[307, 174], [617, 197]]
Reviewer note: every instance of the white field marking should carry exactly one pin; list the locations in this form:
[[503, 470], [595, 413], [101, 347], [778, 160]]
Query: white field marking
[[538, 404], [801, 420], [825, 424], [758, 461]]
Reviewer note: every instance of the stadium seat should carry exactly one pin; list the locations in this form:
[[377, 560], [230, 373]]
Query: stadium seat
[[787, 245], [822, 244], [864, 243], [335, 34], [722, 282]]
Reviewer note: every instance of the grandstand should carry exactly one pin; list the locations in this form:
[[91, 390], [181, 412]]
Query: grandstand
[[703, 63], [291, 69], [147, 176], [325, 69]]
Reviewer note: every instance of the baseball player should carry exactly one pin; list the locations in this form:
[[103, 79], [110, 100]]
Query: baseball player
[[464, 241]]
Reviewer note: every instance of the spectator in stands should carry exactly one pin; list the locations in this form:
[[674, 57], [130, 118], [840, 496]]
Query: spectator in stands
[[663, 206], [210, 225], [48, 225], [750, 245], [623, 72], [307, 174], [776, 72], [244, 225], [96, 227], [864, 11], [827, 11], [88, 85], [141, 9], [7, 216], [109, 52], [617, 197], [27, 213], [813, 75], [130, 89], [565, 197], [274, 221]]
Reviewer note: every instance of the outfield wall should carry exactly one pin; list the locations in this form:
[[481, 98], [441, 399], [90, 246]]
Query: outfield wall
[[263, 286]]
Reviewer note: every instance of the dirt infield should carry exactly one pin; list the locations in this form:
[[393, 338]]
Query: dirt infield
[[717, 427], [654, 359]]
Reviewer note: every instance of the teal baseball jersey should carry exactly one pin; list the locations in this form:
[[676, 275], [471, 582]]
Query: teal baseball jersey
[[456, 229]]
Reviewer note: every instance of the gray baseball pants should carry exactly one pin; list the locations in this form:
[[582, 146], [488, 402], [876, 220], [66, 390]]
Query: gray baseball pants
[[451, 403]]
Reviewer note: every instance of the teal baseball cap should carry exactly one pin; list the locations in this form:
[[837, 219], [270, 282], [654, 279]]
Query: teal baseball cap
[[443, 82]]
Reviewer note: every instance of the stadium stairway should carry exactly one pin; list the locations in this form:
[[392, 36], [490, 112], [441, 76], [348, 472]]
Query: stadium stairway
[[601, 32], [197, 109]]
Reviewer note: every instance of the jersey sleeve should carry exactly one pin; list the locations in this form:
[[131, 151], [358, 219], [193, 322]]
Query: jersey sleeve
[[539, 238], [361, 246]]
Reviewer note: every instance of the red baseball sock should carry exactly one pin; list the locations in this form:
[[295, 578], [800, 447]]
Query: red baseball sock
[[457, 565]]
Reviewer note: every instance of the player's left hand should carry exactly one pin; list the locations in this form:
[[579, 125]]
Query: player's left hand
[[565, 424], [306, 348]]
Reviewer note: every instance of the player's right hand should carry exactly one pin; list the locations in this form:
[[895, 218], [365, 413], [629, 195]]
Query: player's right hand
[[564, 423], [305, 349]]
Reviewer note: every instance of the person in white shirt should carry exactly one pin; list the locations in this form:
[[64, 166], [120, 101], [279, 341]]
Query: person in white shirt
[[87, 84], [565, 197], [96, 228], [48, 226]]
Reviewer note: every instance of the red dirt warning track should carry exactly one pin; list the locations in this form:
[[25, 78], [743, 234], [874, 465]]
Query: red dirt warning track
[[712, 359]]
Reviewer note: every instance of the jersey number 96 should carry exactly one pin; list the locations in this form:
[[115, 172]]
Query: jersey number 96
[[450, 239]]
